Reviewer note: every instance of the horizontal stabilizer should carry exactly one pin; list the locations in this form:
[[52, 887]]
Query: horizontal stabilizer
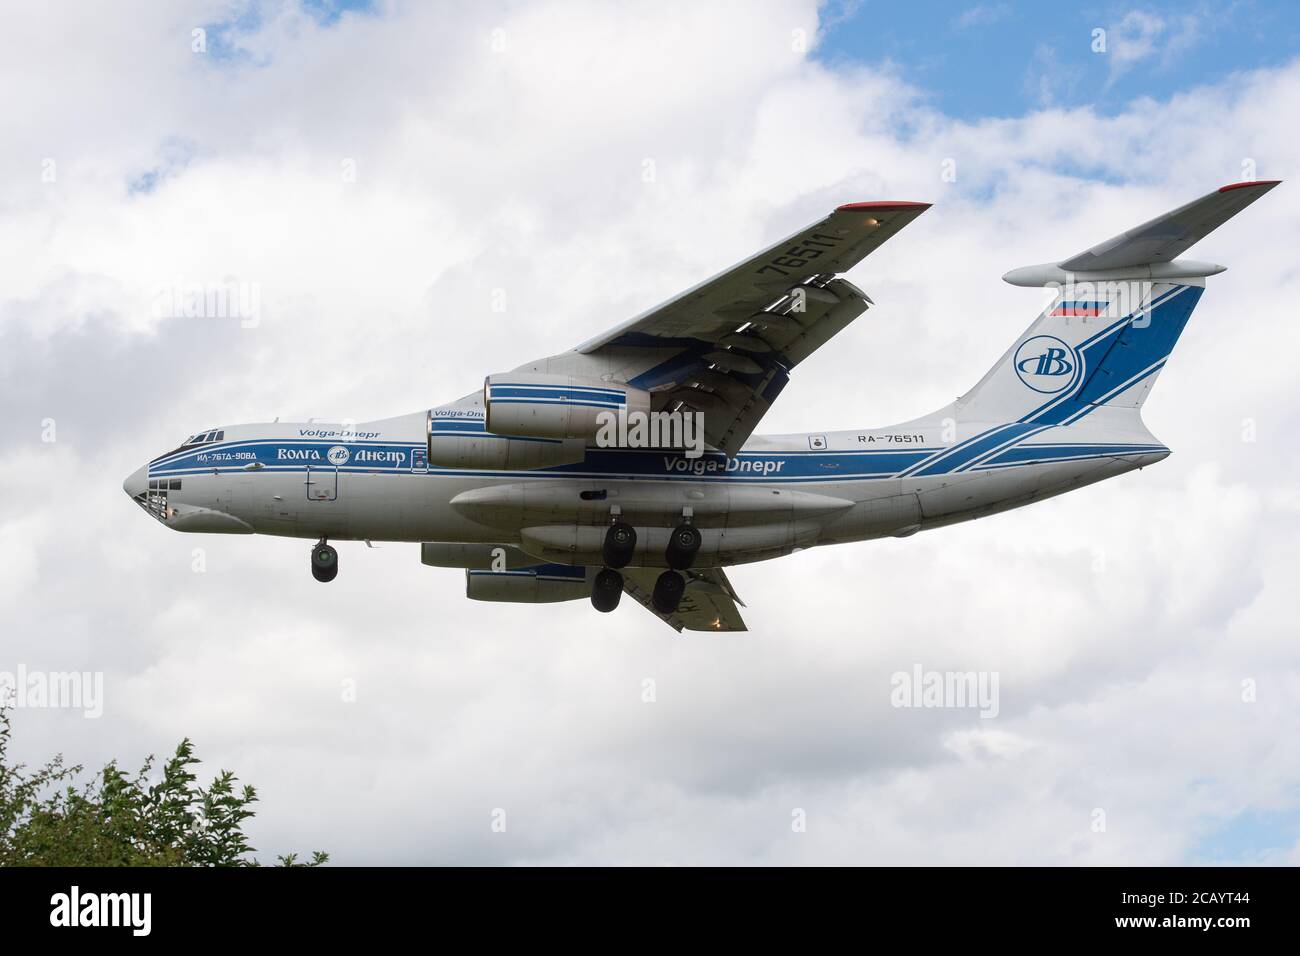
[[1168, 236], [1116, 315]]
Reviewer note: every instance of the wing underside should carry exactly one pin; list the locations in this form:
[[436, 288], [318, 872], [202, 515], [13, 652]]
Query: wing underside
[[709, 603], [1170, 235]]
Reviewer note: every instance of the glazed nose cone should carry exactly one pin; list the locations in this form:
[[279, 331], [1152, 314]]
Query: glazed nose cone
[[137, 483]]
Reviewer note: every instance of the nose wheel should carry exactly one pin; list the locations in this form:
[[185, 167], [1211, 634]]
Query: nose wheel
[[324, 562]]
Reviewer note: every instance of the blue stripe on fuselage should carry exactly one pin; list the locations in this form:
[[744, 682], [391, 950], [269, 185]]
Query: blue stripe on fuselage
[[282, 456]]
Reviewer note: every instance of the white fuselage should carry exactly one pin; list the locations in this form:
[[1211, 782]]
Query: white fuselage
[[780, 493]]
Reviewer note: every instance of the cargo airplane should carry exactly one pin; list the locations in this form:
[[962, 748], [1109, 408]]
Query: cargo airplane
[[512, 483]]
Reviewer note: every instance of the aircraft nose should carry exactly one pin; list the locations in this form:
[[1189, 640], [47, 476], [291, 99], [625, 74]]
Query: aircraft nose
[[137, 483]]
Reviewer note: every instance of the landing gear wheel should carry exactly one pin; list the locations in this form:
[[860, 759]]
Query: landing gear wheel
[[620, 543], [683, 545], [668, 592], [606, 589], [324, 562]]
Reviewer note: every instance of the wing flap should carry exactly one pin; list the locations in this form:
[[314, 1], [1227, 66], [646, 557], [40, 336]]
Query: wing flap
[[709, 603]]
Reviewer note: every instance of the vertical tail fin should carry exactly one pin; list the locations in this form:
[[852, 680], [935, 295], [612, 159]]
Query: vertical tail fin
[[1117, 314], [1100, 347]]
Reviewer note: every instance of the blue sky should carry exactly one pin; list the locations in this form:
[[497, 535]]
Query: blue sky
[[252, 15], [1247, 836], [1005, 58], [985, 58]]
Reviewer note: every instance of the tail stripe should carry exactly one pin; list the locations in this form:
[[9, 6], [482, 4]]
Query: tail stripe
[[976, 462], [959, 447], [1149, 370], [1106, 353], [1089, 345]]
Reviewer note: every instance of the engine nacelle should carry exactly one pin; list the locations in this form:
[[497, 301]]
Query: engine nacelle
[[539, 584], [555, 406], [455, 442], [485, 452]]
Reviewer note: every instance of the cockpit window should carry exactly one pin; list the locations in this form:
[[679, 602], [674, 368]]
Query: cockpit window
[[194, 441], [203, 438]]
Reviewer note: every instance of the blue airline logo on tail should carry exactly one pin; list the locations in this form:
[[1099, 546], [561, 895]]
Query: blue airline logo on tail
[[1045, 363]]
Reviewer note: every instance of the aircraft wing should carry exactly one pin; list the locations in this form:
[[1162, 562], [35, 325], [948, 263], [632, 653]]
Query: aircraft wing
[[709, 603], [725, 347]]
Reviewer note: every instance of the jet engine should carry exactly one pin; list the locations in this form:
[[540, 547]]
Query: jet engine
[[556, 406], [483, 451]]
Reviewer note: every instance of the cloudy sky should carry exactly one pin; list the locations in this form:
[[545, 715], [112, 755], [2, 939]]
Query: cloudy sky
[[383, 176]]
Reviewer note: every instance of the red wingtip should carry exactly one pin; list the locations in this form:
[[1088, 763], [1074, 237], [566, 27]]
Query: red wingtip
[[1259, 182], [861, 206]]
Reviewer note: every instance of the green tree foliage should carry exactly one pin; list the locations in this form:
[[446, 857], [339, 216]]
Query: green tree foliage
[[116, 819]]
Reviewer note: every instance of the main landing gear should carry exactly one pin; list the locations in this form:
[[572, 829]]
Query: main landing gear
[[683, 546], [618, 549], [668, 592], [619, 544], [324, 562], [606, 590]]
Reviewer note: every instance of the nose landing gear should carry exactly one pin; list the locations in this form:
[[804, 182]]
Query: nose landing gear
[[324, 562]]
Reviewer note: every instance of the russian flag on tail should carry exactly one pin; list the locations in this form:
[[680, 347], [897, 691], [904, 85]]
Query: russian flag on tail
[[1080, 309]]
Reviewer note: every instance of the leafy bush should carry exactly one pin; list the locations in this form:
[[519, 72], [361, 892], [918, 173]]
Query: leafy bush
[[115, 819]]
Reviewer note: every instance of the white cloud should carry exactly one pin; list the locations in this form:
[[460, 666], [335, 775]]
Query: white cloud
[[522, 170], [1141, 35], [982, 14]]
